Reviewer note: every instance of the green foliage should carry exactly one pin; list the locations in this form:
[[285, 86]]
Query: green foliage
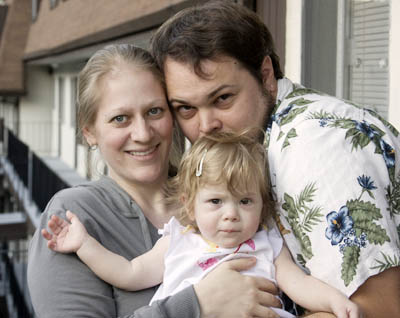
[[386, 263], [302, 217], [351, 254]]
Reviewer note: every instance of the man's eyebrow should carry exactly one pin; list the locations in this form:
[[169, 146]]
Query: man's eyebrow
[[209, 95]]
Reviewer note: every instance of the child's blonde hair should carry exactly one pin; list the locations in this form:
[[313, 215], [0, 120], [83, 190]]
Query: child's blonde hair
[[238, 160]]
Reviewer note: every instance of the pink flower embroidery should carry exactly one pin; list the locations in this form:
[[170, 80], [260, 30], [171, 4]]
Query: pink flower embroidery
[[250, 243], [208, 263]]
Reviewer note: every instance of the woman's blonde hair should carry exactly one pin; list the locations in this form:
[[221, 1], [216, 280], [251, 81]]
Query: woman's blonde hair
[[105, 61], [238, 160]]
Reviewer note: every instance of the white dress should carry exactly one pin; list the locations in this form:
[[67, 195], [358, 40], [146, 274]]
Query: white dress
[[190, 257]]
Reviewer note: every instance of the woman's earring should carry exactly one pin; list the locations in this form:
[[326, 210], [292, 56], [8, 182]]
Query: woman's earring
[[93, 147]]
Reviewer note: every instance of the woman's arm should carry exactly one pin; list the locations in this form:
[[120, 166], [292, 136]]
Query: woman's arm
[[142, 272], [310, 292]]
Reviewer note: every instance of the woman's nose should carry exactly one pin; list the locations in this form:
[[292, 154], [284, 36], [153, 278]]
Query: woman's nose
[[141, 131]]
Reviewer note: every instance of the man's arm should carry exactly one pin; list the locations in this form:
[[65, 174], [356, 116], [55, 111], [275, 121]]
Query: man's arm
[[379, 296], [310, 292]]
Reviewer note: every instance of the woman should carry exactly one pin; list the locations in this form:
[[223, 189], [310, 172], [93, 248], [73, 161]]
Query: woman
[[124, 113]]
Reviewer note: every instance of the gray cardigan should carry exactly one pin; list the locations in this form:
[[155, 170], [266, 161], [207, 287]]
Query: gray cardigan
[[62, 286]]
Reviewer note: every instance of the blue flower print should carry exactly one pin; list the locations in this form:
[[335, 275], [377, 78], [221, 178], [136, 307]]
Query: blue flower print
[[323, 122], [366, 129], [279, 116], [339, 224], [388, 153], [366, 182]]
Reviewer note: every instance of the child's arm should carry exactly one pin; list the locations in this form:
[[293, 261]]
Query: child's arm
[[310, 292], [142, 272]]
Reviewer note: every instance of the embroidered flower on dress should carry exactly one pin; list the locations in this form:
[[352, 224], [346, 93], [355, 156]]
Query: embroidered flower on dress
[[339, 224]]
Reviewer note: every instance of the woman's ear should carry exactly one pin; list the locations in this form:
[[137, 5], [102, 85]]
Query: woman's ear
[[89, 136], [268, 76]]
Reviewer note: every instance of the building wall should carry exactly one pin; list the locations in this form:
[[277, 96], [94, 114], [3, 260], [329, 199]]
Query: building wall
[[36, 109]]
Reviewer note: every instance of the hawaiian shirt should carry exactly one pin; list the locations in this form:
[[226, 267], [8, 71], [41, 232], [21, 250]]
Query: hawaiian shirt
[[334, 169]]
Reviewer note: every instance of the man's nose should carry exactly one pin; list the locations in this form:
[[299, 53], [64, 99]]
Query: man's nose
[[209, 122]]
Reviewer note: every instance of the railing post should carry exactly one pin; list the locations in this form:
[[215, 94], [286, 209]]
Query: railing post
[[30, 174]]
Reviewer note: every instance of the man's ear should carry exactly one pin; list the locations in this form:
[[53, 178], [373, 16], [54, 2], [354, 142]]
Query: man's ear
[[268, 76], [89, 136]]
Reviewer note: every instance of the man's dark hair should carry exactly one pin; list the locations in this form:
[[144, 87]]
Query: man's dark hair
[[214, 29]]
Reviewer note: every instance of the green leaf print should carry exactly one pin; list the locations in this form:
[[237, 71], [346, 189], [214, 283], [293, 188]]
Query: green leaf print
[[292, 115], [291, 134], [385, 122], [301, 91], [301, 260], [363, 213], [351, 254], [386, 263], [302, 217], [393, 197], [398, 231]]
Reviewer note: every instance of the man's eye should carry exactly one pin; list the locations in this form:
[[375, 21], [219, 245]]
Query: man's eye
[[216, 201], [245, 201], [224, 97], [185, 111]]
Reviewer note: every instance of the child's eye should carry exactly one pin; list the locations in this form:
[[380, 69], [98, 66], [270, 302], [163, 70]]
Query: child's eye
[[245, 201], [216, 201]]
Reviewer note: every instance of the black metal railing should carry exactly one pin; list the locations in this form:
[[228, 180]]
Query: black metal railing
[[41, 181], [19, 303], [45, 183], [18, 155]]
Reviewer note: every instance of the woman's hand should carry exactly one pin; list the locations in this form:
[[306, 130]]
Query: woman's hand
[[65, 237], [224, 292]]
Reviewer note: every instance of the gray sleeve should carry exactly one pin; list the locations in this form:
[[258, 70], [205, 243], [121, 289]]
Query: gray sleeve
[[60, 285], [181, 305]]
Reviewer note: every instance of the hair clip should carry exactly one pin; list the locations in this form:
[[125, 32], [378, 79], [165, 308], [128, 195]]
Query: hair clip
[[199, 169]]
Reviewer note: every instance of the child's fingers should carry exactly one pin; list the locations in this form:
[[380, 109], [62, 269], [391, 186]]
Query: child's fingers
[[46, 234], [72, 217]]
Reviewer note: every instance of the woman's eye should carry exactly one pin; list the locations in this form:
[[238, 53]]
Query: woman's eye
[[119, 119], [155, 111], [216, 201], [245, 201]]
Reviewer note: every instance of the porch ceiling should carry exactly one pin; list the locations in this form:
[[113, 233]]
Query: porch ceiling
[[77, 25]]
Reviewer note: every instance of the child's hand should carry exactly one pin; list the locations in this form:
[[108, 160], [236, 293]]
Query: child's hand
[[66, 237], [346, 309]]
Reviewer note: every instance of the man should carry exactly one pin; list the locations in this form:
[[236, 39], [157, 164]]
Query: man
[[333, 165]]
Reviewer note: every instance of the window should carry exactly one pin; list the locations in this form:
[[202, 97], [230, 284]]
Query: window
[[61, 106], [35, 9], [53, 4], [74, 87]]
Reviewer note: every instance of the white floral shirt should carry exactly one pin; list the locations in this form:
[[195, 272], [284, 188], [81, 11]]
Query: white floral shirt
[[334, 169]]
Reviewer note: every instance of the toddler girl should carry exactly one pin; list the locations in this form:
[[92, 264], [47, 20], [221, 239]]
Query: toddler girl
[[224, 212]]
